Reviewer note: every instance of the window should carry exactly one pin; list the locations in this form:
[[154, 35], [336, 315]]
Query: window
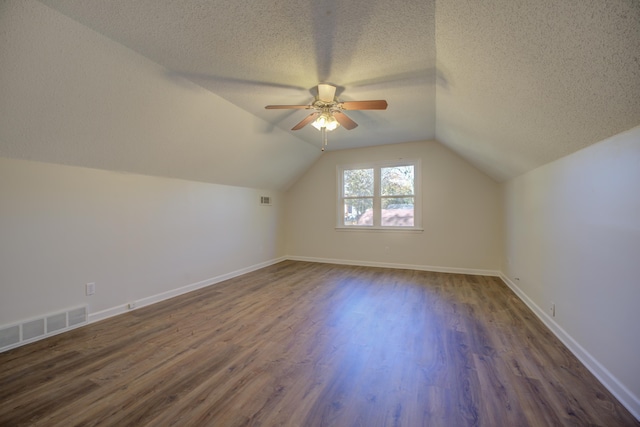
[[379, 195]]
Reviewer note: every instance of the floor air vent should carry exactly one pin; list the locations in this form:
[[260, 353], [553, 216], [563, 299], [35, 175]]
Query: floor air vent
[[36, 329]]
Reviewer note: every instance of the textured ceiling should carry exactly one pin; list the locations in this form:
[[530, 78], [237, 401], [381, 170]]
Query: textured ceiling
[[259, 53], [532, 81], [508, 84]]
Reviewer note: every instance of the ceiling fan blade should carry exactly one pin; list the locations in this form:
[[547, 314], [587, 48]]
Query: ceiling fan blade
[[380, 104], [344, 120], [326, 92], [288, 107], [311, 117]]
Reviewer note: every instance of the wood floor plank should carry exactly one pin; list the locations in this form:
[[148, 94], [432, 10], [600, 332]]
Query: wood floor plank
[[306, 344]]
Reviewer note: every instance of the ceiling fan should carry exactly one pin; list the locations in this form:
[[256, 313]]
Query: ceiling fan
[[328, 114]]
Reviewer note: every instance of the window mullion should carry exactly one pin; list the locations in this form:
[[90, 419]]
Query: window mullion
[[377, 202]]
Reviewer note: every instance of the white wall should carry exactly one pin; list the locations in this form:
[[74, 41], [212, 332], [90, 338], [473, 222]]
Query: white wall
[[135, 236], [461, 213], [71, 96], [572, 232]]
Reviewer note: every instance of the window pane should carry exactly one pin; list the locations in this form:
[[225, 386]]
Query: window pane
[[396, 181], [358, 211], [357, 182], [397, 212]]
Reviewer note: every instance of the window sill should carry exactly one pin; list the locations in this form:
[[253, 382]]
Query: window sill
[[382, 229]]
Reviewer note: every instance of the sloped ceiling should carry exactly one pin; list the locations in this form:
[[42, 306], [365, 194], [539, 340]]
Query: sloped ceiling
[[532, 81], [276, 52], [507, 84]]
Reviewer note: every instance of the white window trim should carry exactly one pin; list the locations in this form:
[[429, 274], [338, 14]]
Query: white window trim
[[417, 188]]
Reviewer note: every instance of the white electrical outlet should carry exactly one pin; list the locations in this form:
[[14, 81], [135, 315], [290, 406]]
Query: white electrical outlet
[[90, 288], [552, 309]]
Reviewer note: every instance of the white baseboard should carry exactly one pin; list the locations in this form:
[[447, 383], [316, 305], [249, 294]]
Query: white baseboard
[[617, 388], [622, 393], [120, 309], [476, 272], [123, 308]]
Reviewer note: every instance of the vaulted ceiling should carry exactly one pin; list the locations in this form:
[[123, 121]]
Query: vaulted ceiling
[[507, 84]]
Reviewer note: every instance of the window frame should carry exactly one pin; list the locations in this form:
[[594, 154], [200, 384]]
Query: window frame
[[377, 196]]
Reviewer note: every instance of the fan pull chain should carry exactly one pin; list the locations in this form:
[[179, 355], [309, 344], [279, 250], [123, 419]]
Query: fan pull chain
[[324, 137]]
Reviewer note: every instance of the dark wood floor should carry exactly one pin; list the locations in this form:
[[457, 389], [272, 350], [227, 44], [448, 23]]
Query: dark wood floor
[[302, 344]]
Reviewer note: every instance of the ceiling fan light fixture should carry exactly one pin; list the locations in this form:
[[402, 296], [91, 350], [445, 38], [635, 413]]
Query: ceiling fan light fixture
[[332, 123], [328, 111], [327, 121]]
